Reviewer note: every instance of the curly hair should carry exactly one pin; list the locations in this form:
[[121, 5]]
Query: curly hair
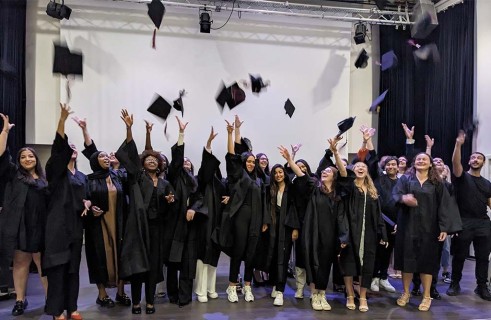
[[433, 174]]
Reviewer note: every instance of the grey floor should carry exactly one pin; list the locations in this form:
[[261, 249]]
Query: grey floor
[[382, 305]]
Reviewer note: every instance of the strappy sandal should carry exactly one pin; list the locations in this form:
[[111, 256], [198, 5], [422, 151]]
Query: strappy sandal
[[363, 308], [350, 303], [425, 304], [403, 299]]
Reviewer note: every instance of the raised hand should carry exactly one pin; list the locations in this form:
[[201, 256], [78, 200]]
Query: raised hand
[[409, 133], [148, 126], [127, 118], [6, 124], [284, 153], [82, 123], [460, 138], [295, 148], [230, 127], [65, 111], [182, 126], [237, 122], [429, 141], [333, 144], [212, 136]]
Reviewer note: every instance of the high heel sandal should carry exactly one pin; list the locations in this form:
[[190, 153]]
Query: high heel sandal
[[403, 299], [363, 308], [425, 304], [76, 316], [350, 302]]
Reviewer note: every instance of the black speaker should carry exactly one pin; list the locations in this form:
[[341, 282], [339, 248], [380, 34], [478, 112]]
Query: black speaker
[[58, 10], [424, 18]]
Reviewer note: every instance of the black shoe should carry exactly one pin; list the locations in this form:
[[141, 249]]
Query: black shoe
[[182, 303], [105, 302], [416, 292], [338, 288], [136, 310], [173, 300], [19, 307], [454, 289], [123, 299], [483, 292], [150, 310], [434, 294]]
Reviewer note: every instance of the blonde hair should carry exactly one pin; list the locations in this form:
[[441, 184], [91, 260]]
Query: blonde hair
[[368, 182]]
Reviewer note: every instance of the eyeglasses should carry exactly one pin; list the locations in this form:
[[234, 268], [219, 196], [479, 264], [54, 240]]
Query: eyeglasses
[[151, 160]]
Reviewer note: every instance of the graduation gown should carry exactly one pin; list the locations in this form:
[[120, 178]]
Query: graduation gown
[[212, 188], [358, 204], [135, 250], [64, 224], [416, 248], [239, 183]]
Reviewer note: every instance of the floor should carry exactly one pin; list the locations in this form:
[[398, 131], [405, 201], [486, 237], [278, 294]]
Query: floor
[[382, 305]]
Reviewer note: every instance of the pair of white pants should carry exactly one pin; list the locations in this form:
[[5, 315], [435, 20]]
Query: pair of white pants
[[206, 276]]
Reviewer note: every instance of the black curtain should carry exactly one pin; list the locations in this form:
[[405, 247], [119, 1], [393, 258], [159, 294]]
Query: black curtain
[[436, 98], [12, 69]]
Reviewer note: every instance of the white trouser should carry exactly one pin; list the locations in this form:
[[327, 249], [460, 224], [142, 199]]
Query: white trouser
[[206, 276]]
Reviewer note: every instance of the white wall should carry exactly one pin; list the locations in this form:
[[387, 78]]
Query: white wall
[[308, 61], [483, 79]]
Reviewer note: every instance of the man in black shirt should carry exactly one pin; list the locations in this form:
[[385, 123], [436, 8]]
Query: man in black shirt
[[473, 193]]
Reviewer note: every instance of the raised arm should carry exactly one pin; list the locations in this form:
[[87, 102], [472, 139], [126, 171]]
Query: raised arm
[[457, 168], [339, 162], [237, 124], [182, 127], [82, 123], [65, 112], [230, 141], [409, 142], [429, 144], [5, 133], [148, 138], [286, 155], [61, 152], [128, 120]]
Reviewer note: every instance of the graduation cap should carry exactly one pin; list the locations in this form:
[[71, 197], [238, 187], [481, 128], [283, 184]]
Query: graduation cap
[[362, 60], [289, 108], [67, 62], [257, 83], [160, 108], [178, 105], [156, 11], [345, 125], [427, 52], [378, 101], [389, 60], [232, 96]]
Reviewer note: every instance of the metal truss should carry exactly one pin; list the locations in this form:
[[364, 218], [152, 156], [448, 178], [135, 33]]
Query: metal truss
[[399, 17]]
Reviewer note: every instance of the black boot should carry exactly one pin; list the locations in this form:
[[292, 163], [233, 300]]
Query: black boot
[[454, 289], [434, 294], [483, 292], [416, 291]]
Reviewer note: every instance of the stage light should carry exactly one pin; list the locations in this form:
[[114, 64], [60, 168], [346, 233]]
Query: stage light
[[58, 10], [360, 33], [205, 21]]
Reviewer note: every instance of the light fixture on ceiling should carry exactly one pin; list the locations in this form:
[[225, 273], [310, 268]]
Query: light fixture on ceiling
[[58, 10], [360, 33], [205, 21]]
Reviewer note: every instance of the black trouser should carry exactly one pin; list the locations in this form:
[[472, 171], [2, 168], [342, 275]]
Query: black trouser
[[279, 271], [136, 288], [242, 221], [337, 276], [382, 260], [181, 289], [5, 274], [63, 288], [477, 232], [434, 276]]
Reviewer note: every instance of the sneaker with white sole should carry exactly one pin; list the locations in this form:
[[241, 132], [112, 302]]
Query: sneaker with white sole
[[316, 302], [322, 297], [202, 299], [385, 284], [278, 300], [274, 292], [248, 296], [375, 285], [232, 294], [212, 295]]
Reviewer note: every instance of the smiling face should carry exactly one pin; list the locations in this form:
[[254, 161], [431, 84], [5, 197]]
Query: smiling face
[[361, 170], [103, 160], [327, 175], [112, 159], [402, 163], [422, 162], [151, 163], [250, 163], [302, 166], [28, 160], [476, 161], [279, 175], [187, 165], [263, 161], [439, 164], [391, 168]]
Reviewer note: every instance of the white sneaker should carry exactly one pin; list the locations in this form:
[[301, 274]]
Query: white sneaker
[[278, 300], [322, 297], [375, 285], [248, 296], [202, 299], [274, 292], [299, 293], [385, 284], [232, 294], [212, 295], [316, 302]]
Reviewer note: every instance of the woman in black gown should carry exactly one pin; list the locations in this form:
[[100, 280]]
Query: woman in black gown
[[23, 215], [64, 225]]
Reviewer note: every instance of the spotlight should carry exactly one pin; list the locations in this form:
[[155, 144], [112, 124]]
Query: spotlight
[[360, 33], [205, 21], [58, 10]]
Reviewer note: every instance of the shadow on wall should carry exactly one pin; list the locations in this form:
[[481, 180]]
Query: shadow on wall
[[328, 80]]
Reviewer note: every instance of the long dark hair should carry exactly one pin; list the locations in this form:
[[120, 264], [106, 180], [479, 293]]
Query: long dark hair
[[244, 156], [433, 174], [274, 187], [306, 164], [258, 158], [25, 176], [331, 194]]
